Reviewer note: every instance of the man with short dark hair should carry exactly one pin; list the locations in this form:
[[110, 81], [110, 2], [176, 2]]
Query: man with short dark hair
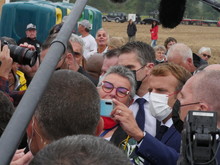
[[110, 59], [140, 57], [60, 113], [90, 44], [81, 149], [31, 37]]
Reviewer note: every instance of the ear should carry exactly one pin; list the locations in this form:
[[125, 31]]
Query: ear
[[150, 65], [203, 106], [189, 61], [99, 127]]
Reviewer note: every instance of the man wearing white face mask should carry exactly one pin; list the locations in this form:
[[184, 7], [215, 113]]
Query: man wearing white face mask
[[165, 81]]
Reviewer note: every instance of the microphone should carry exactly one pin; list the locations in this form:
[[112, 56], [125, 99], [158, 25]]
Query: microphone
[[117, 1], [171, 12]]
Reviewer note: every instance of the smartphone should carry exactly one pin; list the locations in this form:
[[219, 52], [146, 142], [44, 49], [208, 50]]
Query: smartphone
[[106, 107]]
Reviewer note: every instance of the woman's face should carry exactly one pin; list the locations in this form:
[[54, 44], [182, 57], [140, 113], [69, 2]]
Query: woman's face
[[102, 38], [205, 55], [170, 44], [118, 82], [159, 55]]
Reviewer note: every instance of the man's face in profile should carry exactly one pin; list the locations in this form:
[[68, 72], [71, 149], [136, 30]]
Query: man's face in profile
[[187, 99]]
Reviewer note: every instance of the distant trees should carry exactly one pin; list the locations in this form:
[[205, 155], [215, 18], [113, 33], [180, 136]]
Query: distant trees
[[194, 8]]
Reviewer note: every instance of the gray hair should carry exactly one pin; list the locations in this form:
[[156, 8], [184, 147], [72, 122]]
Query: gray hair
[[179, 49], [205, 49], [76, 38], [102, 29], [124, 72], [81, 149], [159, 48]]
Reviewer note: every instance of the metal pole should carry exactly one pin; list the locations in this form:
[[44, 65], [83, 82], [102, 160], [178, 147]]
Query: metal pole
[[16, 127]]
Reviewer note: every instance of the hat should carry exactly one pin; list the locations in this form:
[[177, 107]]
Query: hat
[[31, 26], [86, 24]]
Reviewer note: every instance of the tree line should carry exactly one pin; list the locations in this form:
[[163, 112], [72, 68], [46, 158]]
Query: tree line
[[194, 8]]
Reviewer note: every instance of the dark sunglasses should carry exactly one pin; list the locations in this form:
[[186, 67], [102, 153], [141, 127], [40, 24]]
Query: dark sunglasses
[[206, 55], [120, 91]]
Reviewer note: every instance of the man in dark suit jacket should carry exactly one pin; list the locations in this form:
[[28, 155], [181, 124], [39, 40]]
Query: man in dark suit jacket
[[164, 83]]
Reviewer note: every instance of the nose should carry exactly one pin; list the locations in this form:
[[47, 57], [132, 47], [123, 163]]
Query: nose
[[113, 93]]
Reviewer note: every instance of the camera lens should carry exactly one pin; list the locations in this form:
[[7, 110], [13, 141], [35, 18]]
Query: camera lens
[[23, 56]]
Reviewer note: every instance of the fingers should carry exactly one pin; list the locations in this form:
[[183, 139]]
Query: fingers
[[18, 154], [23, 160], [26, 45], [6, 62], [19, 151], [119, 111]]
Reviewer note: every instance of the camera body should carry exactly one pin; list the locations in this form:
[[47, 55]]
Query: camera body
[[23, 56], [199, 138]]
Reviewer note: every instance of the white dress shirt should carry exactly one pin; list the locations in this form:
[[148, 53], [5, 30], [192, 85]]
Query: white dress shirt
[[169, 123], [150, 121]]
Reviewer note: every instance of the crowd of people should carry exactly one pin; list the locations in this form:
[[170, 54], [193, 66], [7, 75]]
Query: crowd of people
[[152, 88]]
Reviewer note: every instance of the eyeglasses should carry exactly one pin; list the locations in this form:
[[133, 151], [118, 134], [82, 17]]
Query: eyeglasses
[[206, 55], [120, 91]]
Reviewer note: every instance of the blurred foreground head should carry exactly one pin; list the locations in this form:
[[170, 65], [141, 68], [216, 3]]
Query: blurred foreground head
[[69, 106], [83, 150]]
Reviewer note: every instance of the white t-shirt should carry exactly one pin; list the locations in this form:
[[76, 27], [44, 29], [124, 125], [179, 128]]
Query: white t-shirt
[[90, 46]]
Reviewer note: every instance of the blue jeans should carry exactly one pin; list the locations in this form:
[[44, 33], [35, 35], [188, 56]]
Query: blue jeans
[[153, 43]]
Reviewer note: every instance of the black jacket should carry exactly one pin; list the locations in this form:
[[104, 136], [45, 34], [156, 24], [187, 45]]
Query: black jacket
[[131, 29]]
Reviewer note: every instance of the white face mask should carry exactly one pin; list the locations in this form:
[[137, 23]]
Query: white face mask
[[159, 107]]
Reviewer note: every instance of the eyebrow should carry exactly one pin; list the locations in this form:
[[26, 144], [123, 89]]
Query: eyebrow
[[160, 89]]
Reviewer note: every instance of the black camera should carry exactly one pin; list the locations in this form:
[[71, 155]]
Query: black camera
[[23, 56], [200, 139]]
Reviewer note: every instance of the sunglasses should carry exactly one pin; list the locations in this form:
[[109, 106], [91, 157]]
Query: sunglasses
[[206, 55], [120, 91]]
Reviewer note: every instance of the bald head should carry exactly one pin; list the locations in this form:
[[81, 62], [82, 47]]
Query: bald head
[[179, 50], [206, 89], [201, 92], [182, 55], [213, 67]]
